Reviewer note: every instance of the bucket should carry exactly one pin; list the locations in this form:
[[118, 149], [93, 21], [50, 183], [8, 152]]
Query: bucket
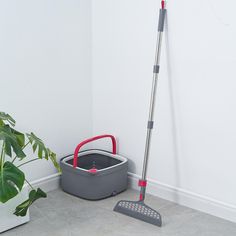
[[94, 174]]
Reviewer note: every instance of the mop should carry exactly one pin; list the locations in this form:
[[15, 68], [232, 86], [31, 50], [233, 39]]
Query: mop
[[138, 209]]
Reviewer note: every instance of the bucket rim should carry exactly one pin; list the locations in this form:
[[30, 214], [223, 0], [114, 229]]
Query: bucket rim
[[95, 151]]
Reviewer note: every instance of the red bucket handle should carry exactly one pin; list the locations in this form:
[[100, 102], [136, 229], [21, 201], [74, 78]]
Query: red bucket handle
[[90, 140]]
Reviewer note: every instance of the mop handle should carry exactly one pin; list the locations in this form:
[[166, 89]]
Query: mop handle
[[156, 68], [76, 152]]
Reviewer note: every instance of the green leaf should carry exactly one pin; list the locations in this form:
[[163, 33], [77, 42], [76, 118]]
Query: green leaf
[[5, 117], [37, 143], [20, 137], [34, 195], [42, 150], [12, 140], [11, 181], [53, 158]]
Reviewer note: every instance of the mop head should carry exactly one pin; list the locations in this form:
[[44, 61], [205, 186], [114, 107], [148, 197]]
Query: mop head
[[139, 210]]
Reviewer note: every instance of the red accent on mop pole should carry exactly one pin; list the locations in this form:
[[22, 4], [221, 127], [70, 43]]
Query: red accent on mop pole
[[142, 183], [141, 197], [90, 140], [163, 4]]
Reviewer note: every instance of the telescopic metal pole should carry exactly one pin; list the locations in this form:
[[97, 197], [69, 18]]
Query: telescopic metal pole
[[156, 68]]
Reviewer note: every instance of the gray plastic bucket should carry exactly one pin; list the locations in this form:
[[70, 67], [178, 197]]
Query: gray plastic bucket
[[109, 179]]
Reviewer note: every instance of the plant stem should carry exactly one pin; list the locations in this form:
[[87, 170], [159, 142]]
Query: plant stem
[[29, 184], [28, 162], [2, 153], [22, 149], [2, 160]]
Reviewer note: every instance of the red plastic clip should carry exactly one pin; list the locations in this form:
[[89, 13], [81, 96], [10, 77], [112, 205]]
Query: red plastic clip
[[142, 183], [93, 171]]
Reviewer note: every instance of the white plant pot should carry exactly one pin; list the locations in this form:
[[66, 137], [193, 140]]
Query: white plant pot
[[7, 219]]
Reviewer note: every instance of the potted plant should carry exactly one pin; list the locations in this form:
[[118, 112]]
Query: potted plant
[[13, 184]]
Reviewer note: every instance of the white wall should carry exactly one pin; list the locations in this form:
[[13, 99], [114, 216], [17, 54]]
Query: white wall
[[45, 53], [193, 145], [46, 80]]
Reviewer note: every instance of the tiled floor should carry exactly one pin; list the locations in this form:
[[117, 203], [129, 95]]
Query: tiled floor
[[64, 215]]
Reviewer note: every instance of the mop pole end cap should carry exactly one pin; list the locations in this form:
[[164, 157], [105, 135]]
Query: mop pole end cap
[[162, 4]]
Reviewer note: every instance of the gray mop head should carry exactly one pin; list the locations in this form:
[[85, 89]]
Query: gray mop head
[[139, 210]]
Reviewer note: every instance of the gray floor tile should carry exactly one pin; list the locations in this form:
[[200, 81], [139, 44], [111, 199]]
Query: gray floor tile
[[65, 215]]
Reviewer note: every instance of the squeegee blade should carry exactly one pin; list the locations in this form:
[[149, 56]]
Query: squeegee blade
[[139, 210]]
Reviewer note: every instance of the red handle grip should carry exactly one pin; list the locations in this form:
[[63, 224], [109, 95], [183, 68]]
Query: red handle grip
[[163, 4], [90, 140]]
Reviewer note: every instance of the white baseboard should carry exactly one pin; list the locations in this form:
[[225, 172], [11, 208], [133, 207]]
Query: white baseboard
[[48, 183], [187, 198]]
